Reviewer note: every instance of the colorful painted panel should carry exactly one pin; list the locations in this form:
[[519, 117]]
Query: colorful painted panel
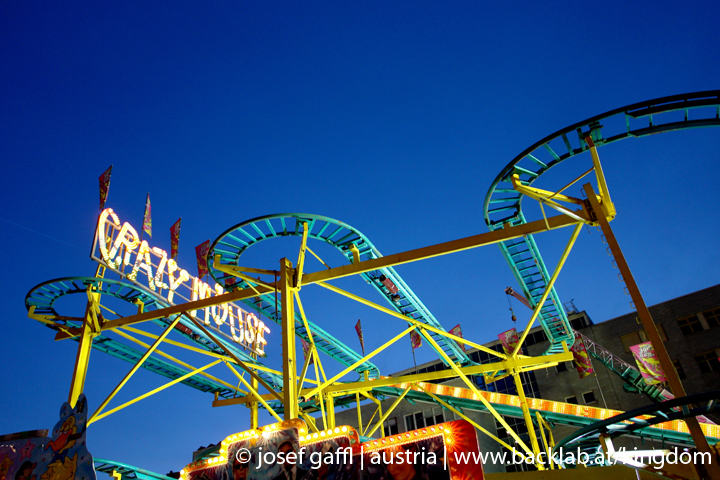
[[64, 456], [440, 452]]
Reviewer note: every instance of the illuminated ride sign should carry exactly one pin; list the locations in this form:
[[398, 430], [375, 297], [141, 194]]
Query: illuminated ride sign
[[122, 251]]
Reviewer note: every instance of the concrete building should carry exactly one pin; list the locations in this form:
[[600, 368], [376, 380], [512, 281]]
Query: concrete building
[[689, 325]]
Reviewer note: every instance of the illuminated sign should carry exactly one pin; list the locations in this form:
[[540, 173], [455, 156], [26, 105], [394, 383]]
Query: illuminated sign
[[122, 251]]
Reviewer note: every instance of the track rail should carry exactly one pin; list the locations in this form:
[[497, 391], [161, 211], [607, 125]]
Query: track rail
[[503, 204], [44, 296], [236, 240]]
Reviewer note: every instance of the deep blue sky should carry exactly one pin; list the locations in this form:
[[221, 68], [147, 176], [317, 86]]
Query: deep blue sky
[[394, 118]]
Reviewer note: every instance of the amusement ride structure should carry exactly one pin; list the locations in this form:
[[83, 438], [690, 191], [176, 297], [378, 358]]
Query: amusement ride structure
[[224, 321]]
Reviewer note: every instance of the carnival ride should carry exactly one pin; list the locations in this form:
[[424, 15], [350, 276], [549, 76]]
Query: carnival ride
[[291, 392]]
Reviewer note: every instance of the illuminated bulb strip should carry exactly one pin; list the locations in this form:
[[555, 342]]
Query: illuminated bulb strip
[[323, 435], [408, 437], [552, 406]]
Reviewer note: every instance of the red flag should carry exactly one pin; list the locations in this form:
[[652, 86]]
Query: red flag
[[509, 340], [174, 239], [147, 218], [201, 252], [457, 331], [648, 363], [581, 358], [358, 329], [104, 186], [306, 349], [415, 339]]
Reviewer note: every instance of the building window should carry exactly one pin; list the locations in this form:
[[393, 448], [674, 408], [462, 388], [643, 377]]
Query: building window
[[409, 423], [589, 397], [561, 367], [572, 399], [426, 418], [689, 325], [713, 317], [679, 369], [391, 427], [708, 362], [641, 336]]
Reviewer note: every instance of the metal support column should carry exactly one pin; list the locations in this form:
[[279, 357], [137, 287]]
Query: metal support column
[[675, 384], [290, 403]]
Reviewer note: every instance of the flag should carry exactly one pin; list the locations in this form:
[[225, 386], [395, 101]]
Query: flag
[[415, 339], [648, 363], [104, 186], [457, 331], [358, 329], [306, 349], [509, 340], [175, 239], [201, 252], [147, 218], [580, 357]]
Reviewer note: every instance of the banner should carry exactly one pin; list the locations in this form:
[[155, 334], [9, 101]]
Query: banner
[[147, 218], [509, 340], [581, 359], [358, 329], [104, 186], [175, 239], [201, 252], [648, 363], [306, 349], [415, 339], [457, 331]]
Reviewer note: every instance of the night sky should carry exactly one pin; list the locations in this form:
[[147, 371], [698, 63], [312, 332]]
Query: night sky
[[393, 117]]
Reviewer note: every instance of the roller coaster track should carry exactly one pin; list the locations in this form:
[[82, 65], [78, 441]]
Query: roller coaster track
[[126, 472], [44, 296], [503, 204], [236, 240]]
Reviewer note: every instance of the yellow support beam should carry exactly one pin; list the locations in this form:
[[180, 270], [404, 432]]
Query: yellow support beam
[[477, 393], [166, 312], [301, 257], [387, 413], [153, 392], [179, 362], [411, 321], [445, 248], [465, 417], [528, 420], [548, 288], [543, 425], [290, 405], [134, 369], [238, 362], [359, 362], [254, 393]]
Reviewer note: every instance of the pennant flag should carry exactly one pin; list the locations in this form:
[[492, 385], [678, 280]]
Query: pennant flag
[[457, 331], [104, 186], [581, 359], [648, 363], [147, 218], [201, 252], [230, 281], [358, 329], [175, 239], [415, 339], [509, 340], [306, 349]]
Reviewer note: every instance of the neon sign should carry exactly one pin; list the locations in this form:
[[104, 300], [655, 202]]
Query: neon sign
[[121, 249]]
